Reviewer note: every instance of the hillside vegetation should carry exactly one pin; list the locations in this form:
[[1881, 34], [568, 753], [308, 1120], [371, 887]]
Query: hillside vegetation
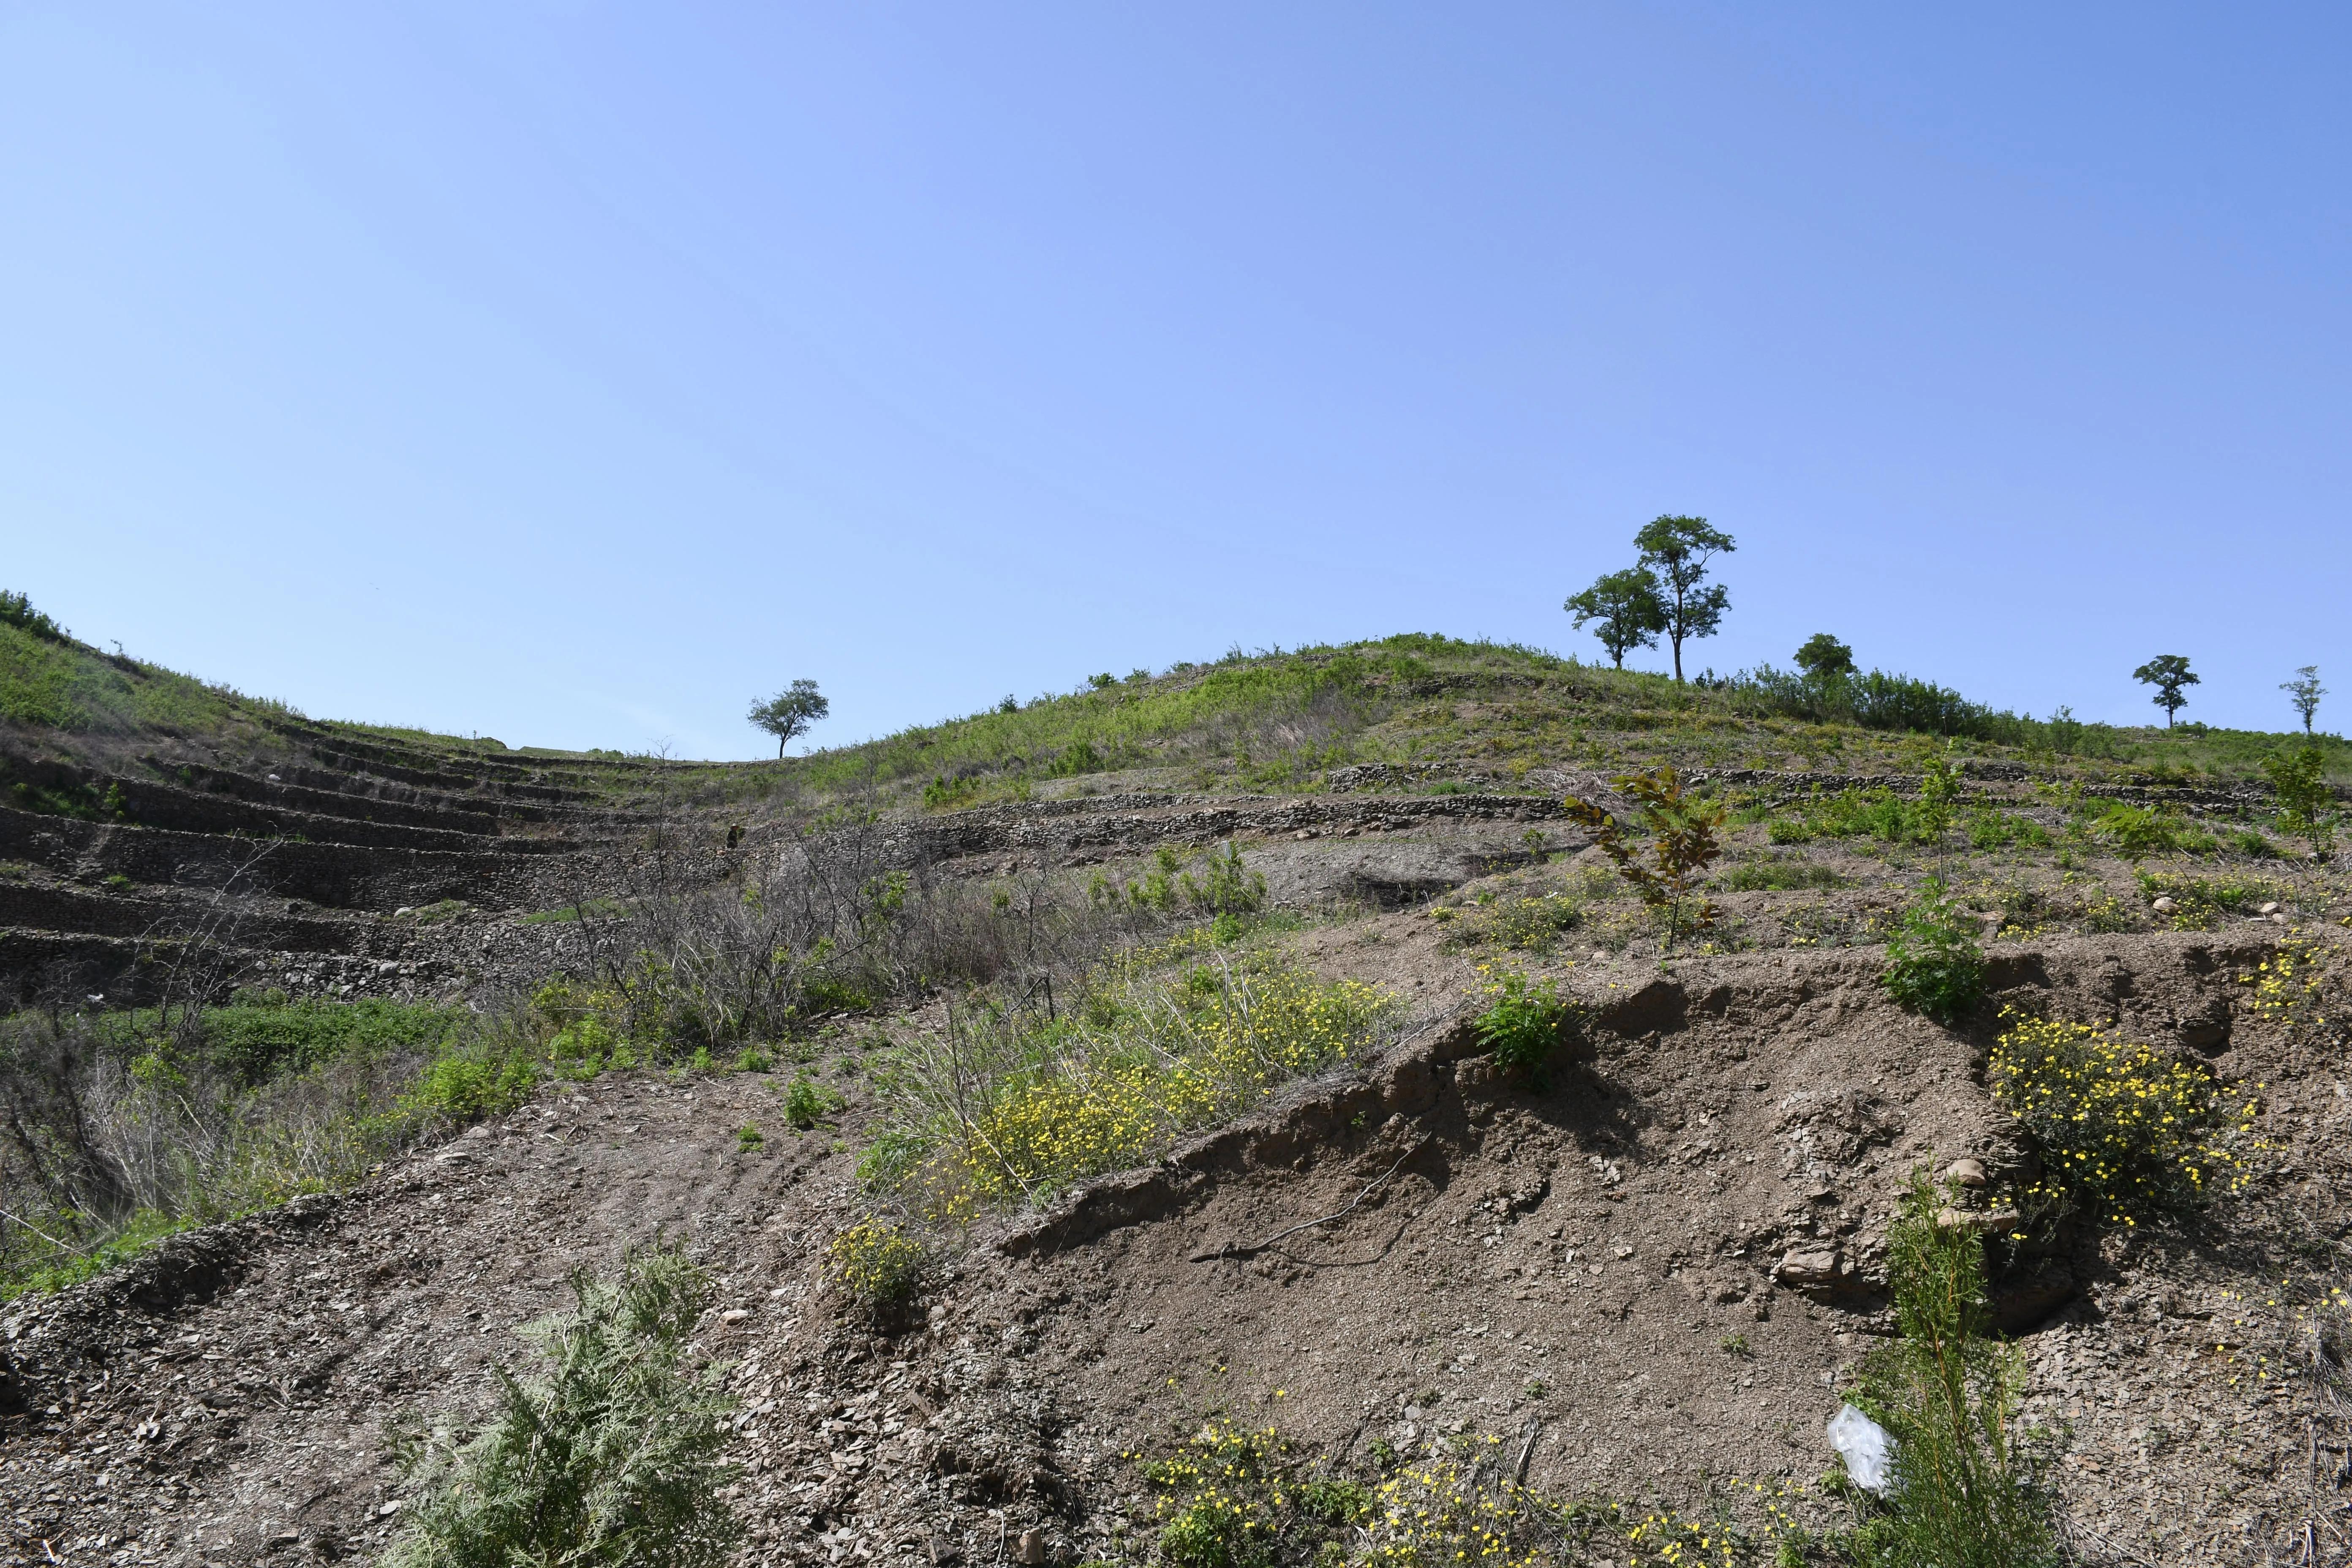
[[1277, 721], [1274, 722]]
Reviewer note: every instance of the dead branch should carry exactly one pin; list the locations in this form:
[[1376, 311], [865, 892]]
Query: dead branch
[[1255, 1248]]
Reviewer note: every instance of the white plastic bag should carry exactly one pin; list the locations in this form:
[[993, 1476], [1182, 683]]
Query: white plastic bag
[[1867, 1448]]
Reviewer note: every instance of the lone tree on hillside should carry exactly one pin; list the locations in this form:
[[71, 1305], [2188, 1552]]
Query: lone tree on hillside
[[1676, 550], [1626, 604], [2169, 674], [1824, 655], [2305, 691], [790, 712]]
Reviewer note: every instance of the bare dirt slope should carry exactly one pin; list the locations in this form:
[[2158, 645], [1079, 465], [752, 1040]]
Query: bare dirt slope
[[1658, 1268]]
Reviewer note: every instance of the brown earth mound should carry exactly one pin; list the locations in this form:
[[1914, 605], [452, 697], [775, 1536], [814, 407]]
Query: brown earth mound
[[1657, 1269]]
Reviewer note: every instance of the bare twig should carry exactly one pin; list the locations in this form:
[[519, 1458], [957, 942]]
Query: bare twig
[[44, 1235], [1230, 1250]]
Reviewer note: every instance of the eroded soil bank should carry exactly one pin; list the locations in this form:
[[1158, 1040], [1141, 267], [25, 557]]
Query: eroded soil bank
[[1659, 1266]]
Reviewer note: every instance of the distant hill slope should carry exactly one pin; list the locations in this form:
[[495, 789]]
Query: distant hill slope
[[1437, 708], [1429, 707]]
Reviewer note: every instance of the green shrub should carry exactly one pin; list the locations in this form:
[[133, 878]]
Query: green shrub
[[1962, 1496], [1524, 1022], [808, 1102], [2252, 843], [613, 1457], [1999, 829], [1933, 964], [2138, 831], [1879, 814], [2306, 803], [464, 1086], [16, 610], [261, 1036]]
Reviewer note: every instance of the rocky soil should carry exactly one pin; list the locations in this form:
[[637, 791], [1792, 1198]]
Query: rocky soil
[[1659, 1267]]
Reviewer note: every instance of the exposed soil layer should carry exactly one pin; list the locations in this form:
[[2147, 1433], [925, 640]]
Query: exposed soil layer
[[1660, 1265]]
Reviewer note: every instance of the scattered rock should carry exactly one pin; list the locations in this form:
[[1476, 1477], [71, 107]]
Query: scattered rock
[[733, 1315], [1815, 1268], [1966, 1172]]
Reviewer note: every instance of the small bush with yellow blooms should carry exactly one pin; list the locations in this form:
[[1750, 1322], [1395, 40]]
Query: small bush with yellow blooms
[[2126, 1130], [877, 1266]]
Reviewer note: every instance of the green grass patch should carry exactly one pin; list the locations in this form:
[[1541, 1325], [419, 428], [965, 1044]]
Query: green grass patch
[[1012, 1106]]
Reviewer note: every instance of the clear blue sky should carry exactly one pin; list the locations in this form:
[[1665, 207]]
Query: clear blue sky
[[573, 372]]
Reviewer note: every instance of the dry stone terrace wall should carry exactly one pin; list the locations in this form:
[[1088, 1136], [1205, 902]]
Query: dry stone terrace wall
[[340, 876], [297, 868]]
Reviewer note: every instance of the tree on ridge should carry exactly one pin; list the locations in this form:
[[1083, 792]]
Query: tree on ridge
[[2170, 675], [789, 714], [1626, 604], [1675, 550]]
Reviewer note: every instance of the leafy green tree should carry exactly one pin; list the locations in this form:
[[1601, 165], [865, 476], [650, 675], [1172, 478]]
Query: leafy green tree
[[1823, 657], [790, 712], [2300, 779], [1627, 605], [1676, 550], [2170, 675], [2305, 691]]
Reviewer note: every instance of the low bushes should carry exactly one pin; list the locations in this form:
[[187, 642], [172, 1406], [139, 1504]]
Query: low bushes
[[1879, 814], [877, 1266], [116, 1130], [1933, 964], [2126, 1130], [1524, 1022], [1008, 1105], [612, 1456], [1525, 924], [2203, 900], [1232, 1497]]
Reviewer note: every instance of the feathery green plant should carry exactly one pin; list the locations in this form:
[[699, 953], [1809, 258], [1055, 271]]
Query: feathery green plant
[[1948, 1392], [612, 1458]]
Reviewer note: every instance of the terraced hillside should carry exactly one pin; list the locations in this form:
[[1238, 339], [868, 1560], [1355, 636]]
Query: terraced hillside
[[320, 857], [1017, 986]]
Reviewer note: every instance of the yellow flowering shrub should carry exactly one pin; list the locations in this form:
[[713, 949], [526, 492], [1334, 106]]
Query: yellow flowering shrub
[[1006, 1109], [2290, 987], [1232, 1497], [2124, 1128], [1455, 1508], [877, 1265]]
